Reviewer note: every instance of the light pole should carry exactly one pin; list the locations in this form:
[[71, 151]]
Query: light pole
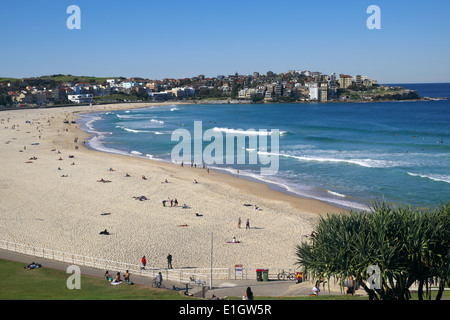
[[210, 276]]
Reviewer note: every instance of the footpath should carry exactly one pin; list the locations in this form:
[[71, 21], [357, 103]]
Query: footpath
[[220, 288]]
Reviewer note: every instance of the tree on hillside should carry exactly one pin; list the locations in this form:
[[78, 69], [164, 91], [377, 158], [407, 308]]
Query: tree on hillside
[[404, 244]]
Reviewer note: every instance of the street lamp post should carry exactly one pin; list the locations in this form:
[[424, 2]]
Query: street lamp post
[[210, 276]]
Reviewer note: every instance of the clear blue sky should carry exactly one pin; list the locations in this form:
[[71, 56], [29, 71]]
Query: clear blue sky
[[179, 38]]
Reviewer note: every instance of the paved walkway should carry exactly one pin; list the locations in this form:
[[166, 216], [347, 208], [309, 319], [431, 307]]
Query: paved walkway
[[220, 288]]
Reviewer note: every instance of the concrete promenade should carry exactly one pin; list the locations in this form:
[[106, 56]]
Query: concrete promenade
[[220, 288]]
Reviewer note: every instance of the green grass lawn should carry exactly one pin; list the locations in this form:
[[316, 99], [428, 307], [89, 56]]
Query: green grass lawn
[[19, 283]]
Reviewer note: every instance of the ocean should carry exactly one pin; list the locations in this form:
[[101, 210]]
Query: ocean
[[345, 154]]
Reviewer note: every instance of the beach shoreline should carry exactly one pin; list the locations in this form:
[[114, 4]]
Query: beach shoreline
[[64, 209]]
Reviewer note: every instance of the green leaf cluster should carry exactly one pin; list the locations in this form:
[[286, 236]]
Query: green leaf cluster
[[409, 245]]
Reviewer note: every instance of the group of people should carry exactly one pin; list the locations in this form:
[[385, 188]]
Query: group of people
[[247, 223], [169, 262], [173, 202], [117, 279]]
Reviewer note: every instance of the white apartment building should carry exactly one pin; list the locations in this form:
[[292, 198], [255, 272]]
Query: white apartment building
[[314, 91], [80, 98]]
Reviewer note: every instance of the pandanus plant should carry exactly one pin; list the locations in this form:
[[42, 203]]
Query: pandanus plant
[[406, 245]]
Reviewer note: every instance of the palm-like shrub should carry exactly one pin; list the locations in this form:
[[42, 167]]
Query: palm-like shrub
[[407, 244]]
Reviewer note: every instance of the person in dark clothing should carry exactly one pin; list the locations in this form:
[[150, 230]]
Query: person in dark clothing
[[248, 294], [169, 261]]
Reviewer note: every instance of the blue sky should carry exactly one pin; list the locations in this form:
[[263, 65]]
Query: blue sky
[[177, 39]]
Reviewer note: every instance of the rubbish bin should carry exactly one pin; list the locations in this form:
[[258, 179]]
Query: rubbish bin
[[265, 275], [259, 275]]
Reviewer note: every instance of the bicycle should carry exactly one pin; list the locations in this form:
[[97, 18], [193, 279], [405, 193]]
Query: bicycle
[[286, 275], [157, 284], [197, 281]]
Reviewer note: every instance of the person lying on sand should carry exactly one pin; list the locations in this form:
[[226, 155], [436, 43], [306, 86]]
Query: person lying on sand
[[103, 180], [105, 232], [141, 198]]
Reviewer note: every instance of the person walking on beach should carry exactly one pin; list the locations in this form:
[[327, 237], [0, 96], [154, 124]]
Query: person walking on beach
[[239, 222], [169, 261], [144, 262], [247, 225]]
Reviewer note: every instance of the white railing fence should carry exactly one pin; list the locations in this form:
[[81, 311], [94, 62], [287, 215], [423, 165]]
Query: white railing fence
[[184, 275]]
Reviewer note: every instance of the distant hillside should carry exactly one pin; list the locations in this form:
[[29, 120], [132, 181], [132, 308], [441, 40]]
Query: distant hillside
[[62, 78]]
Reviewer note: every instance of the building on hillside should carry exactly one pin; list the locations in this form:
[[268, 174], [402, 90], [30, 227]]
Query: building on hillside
[[161, 96], [314, 92], [358, 80], [345, 81], [80, 98], [324, 92]]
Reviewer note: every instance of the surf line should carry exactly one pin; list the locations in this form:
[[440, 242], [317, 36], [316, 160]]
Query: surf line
[[213, 152]]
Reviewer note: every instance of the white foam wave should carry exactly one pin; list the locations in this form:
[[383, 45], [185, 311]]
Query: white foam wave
[[131, 130], [122, 116], [89, 123], [157, 121], [336, 194], [434, 177], [249, 132], [368, 163], [302, 191], [136, 152], [174, 109]]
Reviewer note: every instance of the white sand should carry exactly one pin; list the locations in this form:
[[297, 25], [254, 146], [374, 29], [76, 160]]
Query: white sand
[[39, 207]]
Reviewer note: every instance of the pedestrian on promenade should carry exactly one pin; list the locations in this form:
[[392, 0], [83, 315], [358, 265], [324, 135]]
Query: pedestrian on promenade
[[248, 294], [144, 263]]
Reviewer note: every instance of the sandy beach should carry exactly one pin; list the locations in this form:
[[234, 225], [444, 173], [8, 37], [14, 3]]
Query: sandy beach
[[66, 209]]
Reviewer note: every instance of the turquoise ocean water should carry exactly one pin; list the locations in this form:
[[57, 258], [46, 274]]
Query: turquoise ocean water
[[347, 154]]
